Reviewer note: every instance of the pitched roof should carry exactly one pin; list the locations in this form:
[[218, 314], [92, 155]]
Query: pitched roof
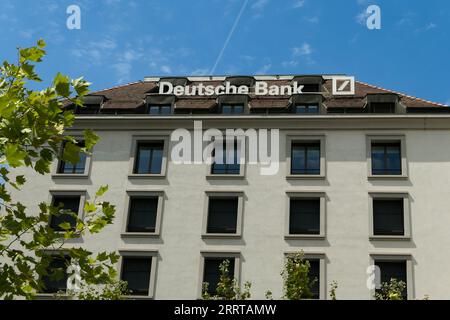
[[132, 96]]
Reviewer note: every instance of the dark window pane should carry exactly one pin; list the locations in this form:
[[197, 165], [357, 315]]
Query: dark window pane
[[304, 216], [311, 87], [160, 109], [224, 166], [382, 107], [57, 265], [149, 157], [306, 109], [211, 272], [136, 271], [314, 275], [393, 270], [71, 203], [142, 216], [232, 109], [386, 158], [388, 217], [78, 168], [222, 215], [305, 158]]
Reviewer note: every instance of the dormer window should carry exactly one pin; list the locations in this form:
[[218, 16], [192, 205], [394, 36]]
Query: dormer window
[[311, 87], [232, 109], [383, 103], [311, 84], [91, 105], [306, 109], [159, 110]]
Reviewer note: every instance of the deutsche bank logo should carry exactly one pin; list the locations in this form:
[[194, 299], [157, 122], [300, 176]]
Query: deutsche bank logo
[[343, 85]]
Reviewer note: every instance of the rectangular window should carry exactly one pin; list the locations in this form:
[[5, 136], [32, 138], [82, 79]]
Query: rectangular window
[[393, 270], [304, 216], [386, 158], [224, 166], [382, 107], [142, 215], [211, 272], [232, 109], [388, 217], [136, 272], [305, 158], [222, 215], [159, 110], [67, 202], [58, 265], [314, 277], [306, 109], [311, 87], [149, 157], [69, 168]]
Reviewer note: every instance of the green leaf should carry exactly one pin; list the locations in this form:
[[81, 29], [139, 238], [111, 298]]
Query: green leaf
[[41, 43], [20, 180], [101, 191], [90, 139], [71, 153], [14, 155], [62, 85], [65, 226]]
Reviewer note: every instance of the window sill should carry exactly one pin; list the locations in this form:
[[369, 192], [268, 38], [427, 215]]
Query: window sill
[[221, 236], [305, 177], [50, 296], [389, 238], [224, 176], [70, 176], [131, 297], [304, 237], [139, 235], [146, 176], [389, 177]]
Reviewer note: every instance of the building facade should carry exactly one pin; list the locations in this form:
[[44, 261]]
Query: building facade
[[363, 180]]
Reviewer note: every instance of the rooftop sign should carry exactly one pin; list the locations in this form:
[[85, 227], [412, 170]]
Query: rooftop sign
[[261, 88]]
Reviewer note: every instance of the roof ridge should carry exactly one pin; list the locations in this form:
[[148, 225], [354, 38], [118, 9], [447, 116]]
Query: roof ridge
[[402, 94]]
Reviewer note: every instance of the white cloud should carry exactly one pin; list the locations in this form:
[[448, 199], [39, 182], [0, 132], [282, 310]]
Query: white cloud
[[314, 19], [299, 4], [166, 69], [304, 50], [259, 4], [361, 18], [264, 69]]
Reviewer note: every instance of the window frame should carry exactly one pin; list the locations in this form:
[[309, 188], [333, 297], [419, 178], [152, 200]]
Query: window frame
[[394, 257], [149, 105], [406, 215], [87, 166], [134, 148], [130, 253], [242, 145], [386, 139], [236, 255], [127, 205], [61, 193], [290, 139], [322, 214], [322, 270], [239, 217]]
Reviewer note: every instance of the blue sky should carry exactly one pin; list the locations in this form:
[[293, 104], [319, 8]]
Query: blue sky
[[122, 41]]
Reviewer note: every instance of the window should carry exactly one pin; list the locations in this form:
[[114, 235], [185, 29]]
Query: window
[[305, 158], [67, 202], [232, 108], [136, 271], [382, 107], [149, 157], [142, 214], [69, 168], [58, 267], [304, 216], [316, 274], [393, 270], [310, 87], [314, 277], [211, 271], [388, 217], [386, 158], [161, 110], [306, 109], [222, 215], [224, 166]]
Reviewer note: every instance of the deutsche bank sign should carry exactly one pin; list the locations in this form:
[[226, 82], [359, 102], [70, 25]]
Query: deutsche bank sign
[[261, 88]]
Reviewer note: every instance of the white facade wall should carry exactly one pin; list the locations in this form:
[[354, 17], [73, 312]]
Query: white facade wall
[[347, 247]]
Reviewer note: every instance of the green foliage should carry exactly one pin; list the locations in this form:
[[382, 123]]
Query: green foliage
[[296, 282], [334, 286], [115, 290], [32, 132], [391, 290], [227, 288]]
